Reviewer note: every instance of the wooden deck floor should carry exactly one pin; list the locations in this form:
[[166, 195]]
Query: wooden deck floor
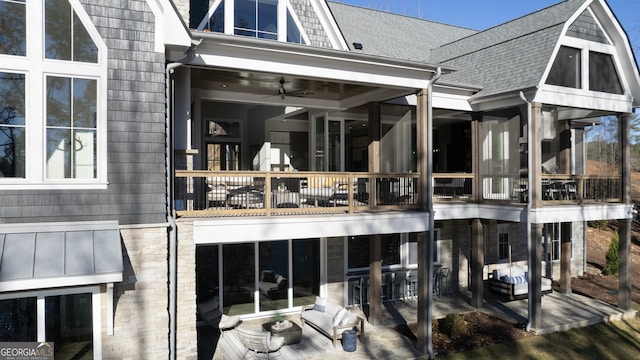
[[229, 346]]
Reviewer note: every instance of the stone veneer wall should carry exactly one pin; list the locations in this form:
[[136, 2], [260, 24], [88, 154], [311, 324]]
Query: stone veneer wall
[[187, 336], [141, 300], [335, 270]]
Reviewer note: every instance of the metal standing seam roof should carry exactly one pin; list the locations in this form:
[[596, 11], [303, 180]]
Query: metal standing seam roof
[[34, 256]]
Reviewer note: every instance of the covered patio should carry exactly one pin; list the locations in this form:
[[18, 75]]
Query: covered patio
[[560, 312]]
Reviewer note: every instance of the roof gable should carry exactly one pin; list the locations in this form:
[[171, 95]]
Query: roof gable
[[521, 27]]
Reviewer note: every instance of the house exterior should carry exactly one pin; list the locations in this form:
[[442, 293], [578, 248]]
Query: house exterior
[[256, 154]]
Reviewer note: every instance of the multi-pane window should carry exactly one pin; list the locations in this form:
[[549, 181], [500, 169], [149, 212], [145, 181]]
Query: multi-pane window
[[13, 27], [503, 241], [551, 242], [71, 128], [264, 19], [567, 70], [62, 108], [65, 36]]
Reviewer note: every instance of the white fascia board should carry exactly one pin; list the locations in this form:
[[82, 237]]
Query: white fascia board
[[216, 231], [313, 63], [170, 30], [589, 212], [543, 215], [578, 98], [58, 282], [58, 226]]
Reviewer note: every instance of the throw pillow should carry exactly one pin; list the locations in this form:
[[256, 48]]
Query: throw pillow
[[338, 316], [320, 304], [345, 317]]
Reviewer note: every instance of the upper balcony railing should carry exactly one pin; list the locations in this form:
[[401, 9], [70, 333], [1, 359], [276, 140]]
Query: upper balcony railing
[[226, 193], [247, 193], [555, 189]]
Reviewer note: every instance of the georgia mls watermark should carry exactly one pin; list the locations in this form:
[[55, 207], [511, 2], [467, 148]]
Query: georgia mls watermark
[[26, 351]]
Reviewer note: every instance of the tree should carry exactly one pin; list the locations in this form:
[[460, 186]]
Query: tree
[[611, 267]]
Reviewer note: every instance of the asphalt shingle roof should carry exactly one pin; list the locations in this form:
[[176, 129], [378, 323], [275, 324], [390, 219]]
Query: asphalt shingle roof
[[392, 35], [511, 56], [507, 57]]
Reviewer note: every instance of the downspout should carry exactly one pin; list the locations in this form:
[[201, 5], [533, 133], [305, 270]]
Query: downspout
[[528, 212], [430, 209], [169, 166]]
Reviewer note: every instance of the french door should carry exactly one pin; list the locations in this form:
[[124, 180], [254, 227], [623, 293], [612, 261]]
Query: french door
[[223, 156]]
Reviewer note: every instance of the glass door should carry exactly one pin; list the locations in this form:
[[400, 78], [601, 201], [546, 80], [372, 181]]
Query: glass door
[[223, 156], [328, 143]]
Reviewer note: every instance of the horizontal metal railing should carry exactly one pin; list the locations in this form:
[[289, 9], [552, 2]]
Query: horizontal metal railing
[[555, 189], [453, 186], [216, 193]]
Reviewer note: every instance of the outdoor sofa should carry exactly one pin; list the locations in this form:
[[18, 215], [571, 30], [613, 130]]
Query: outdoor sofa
[[514, 282], [331, 320]]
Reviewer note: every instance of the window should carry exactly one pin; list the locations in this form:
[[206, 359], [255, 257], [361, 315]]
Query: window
[[602, 74], [66, 109], [264, 19], [358, 257], [566, 68], [12, 125], [69, 318], [71, 128], [503, 242], [551, 242], [13, 27], [65, 36]]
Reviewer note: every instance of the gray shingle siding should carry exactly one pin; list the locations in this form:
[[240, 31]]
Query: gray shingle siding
[[310, 22], [587, 28], [135, 130]]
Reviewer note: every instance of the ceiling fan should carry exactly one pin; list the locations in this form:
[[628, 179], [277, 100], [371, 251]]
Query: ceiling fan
[[283, 93]]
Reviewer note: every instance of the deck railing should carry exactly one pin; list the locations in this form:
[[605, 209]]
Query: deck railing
[[216, 193], [555, 189]]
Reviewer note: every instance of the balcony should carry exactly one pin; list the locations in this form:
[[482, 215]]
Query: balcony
[[252, 193], [555, 189]]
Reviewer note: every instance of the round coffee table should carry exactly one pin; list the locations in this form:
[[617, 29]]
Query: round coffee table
[[291, 334]]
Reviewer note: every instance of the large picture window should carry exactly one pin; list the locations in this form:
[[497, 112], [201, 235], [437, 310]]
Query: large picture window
[[69, 318], [52, 126]]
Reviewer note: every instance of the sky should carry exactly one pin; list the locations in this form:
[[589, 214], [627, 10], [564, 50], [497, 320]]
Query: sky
[[483, 14]]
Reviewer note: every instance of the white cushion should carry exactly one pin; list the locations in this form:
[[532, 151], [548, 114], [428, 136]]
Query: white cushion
[[320, 304], [337, 318]]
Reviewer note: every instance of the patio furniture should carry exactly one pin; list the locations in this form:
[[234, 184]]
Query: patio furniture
[[211, 314], [330, 319], [288, 330], [442, 281], [411, 282], [514, 283], [259, 342]]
